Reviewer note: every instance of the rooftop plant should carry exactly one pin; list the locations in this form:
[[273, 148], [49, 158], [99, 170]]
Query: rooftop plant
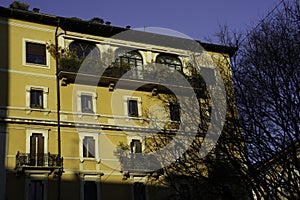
[[19, 5]]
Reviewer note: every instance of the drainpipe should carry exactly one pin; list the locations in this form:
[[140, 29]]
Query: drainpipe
[[58, 110]]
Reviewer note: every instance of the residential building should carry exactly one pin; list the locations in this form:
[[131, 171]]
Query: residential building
[[78, 103]]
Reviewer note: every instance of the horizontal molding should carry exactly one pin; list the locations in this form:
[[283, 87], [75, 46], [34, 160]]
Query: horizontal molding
[[27, 26], [24, 73]]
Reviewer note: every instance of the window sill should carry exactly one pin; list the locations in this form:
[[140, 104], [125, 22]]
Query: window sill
[[37, 65], [82, 160], [83, 114], [30, 110], [128, 118]]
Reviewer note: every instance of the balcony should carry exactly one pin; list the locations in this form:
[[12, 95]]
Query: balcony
[[150, 78], [139, 163], [37, 162]]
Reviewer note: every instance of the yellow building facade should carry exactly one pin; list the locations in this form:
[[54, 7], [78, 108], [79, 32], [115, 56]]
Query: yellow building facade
[[94, 147]]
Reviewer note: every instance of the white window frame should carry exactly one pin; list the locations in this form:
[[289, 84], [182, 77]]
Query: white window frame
[[139, 104], [94, 100], [45, 96], [45, 134], [95, 136], [131, 138], [47, 66]]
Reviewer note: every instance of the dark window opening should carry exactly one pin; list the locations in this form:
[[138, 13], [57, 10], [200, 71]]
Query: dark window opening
[[36, 190], [90, 190], [36, 149], [88, 147], [174, 112], [84, 49], [139, 191], [87, 104], [136, 146], [133, 108], [35, 53], [171, 61], [131, 60], [36, 98]]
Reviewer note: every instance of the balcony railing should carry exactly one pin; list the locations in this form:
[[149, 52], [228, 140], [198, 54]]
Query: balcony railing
[[139, 163], [38, 160]]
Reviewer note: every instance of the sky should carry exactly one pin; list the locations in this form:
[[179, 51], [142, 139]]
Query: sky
[[198, 19]]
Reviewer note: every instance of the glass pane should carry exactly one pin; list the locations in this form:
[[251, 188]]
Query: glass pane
[[172, 61], [132, 108], [175, 112], [88, 147], [86, 103], [36, 190], [35, 53], [84, 49], [36, 98], [90, 190]]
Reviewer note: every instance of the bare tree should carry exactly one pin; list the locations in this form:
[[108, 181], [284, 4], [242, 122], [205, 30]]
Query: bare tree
[[265, 157], [266, 74]]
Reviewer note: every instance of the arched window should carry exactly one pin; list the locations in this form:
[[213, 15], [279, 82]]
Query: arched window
[[131, 60], [171, 61], [84, 48]]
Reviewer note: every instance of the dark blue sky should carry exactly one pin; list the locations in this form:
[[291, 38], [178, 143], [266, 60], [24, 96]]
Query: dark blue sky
[[196, 18]]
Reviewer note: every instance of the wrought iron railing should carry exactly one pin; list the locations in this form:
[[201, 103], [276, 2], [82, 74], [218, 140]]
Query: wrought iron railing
[[38, 160], [139, 163]]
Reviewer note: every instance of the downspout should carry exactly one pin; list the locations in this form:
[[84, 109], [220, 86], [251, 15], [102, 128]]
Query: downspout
[[58, 111]]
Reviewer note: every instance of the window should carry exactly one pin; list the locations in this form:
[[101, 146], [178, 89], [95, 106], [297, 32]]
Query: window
[[170, 60], [90, 190], [36, 190], [139, 191], [174, 112], [133, 106], [136, 146], [86, 102], [37, 146], [35, 53], [88, 147], [36, 97], [37, 149], [132, 60], [84, 49]]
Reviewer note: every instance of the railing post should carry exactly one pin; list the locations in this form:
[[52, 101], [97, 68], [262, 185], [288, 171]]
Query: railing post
[[17, 159]]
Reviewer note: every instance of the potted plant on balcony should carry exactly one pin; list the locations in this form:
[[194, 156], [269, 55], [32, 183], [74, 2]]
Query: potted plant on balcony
[[69, 61]]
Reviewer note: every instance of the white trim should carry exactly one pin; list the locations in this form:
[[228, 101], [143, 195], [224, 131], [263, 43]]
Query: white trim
[[24, 73], [47, 66], [95, 136], [139, 104], [130, 138], [27, 26], [94, 99], [45, 96], [90, 177], [29, 133]]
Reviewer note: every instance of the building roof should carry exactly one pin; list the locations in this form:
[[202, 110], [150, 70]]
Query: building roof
[[104, 30]]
